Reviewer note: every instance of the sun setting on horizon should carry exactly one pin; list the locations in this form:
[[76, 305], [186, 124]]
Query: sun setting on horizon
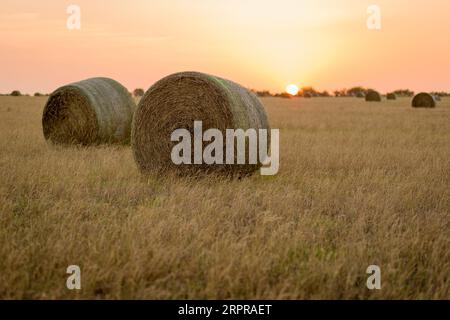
[[292, 89]]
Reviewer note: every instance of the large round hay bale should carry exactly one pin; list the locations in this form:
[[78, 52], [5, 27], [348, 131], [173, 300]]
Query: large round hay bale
[[373, 95], [391, 96], [92, 111], [423, 100], [178, 100]]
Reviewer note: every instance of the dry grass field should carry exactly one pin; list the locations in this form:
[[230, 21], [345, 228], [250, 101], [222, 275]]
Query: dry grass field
[[359, 184]]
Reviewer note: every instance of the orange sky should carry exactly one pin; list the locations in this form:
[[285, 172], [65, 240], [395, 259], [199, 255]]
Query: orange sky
[[262, 44]]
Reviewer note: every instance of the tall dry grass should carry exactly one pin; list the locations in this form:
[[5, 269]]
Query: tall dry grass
[[358, 185]]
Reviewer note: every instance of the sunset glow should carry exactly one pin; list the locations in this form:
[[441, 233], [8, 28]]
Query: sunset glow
[[292, 89], [259, 44]]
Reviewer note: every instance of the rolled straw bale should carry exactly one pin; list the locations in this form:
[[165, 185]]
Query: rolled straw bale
[[373, 95], [178, 100], [391, 96], [92, 111], [423, 100]]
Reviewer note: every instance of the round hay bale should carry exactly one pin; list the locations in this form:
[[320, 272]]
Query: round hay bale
[[423, 100], [92, 111], [391, 96], [373, 95], [178, 100]]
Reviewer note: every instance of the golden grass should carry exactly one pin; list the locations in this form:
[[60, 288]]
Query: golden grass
[[358, 185]]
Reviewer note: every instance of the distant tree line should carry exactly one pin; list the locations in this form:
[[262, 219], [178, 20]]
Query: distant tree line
[[305, 92], [440, 94], [360, 92], [17, 93], [139, 92], [403, 93]]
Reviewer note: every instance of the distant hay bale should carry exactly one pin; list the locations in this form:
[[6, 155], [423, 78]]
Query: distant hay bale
[[373, 95], [178, 100], [139, 92], [391, 96], [92, 111], [423, 100]]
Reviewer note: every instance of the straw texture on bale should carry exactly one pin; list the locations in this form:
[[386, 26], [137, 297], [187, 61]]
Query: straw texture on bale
[[178, 100], [423, 100], [92, 111], [391, 96], [373, 95]]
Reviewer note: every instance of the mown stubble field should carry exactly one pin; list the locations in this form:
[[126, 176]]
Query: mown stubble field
[[359, 184]]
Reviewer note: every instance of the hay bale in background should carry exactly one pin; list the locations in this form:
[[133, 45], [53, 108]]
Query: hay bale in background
[[373, 95], [391, 96], [138, 92], [423, 100], [92, 111], [178, 100]]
